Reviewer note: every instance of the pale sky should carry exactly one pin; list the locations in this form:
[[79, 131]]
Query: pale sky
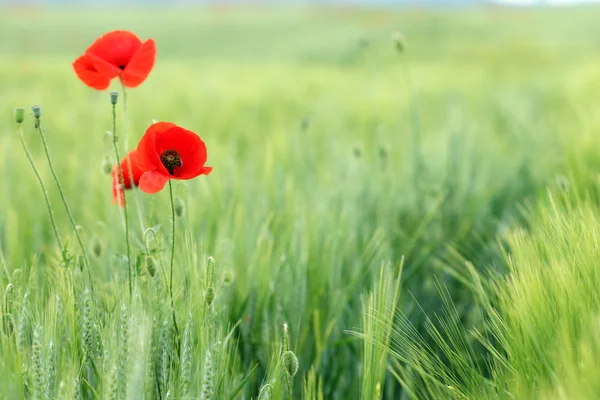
[[551, 2]]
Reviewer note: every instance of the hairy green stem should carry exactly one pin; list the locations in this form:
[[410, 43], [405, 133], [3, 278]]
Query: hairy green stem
[[45, 192], [172, 259], [122, 180], [64, 200]]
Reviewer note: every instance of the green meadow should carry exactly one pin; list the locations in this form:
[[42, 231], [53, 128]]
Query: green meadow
[[423, 216]]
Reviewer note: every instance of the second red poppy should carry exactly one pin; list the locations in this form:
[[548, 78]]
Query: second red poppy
[[116, 54]]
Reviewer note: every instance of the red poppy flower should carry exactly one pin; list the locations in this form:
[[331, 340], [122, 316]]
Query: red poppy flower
[[168, 151], [131, 177], [116, 53]]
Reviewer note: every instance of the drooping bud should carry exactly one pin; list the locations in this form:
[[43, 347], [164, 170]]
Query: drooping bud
[[107, 165], [19, 115], [179, 206], [399, 41], [114, 97], [150, 266], [290, 363]]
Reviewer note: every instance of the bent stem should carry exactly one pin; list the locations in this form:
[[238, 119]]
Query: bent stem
[[64, 200], [45, 192], [122, 179], [172, 258]]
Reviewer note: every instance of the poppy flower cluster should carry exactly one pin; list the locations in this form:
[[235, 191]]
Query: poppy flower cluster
[[166, 151]]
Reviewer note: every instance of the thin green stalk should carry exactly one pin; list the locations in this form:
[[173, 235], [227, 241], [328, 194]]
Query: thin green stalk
[[38, 124], [288, 386], [50, 212], [172, 258], [122, 179], [126, 146], [172, 239]]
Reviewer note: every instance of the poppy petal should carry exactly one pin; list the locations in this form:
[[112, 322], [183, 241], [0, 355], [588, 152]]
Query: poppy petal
[[189, 146], [116, 47], [104, 67], [147, 157], [153, 181], [87, 73], [140, 65]]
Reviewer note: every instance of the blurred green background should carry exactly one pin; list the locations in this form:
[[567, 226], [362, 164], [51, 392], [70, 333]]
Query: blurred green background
[[333, 152]]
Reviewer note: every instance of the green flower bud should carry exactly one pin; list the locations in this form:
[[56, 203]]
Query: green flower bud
[[228, 278], [19, 115], [209, 296], [151, 266], [107, 165], [114, 97], [179, 206], [290, 363], [399, 42], [96, 246]]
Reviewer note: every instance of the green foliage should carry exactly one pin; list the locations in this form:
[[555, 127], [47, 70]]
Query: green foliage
[[333, 154]]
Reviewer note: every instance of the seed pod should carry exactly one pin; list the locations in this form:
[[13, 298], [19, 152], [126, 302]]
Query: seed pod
[[37, 111], [114, 97], [290, 363], [19, 115]]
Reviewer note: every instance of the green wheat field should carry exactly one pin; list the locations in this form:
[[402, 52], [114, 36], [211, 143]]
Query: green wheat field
[[423, 215]]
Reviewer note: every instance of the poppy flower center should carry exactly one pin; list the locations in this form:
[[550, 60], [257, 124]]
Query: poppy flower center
[[171, 160]]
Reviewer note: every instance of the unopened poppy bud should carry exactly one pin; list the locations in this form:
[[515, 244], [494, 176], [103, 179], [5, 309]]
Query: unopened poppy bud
[[107, 165], [179, 205], [209, 296], [81, 262], [114, 97], [399, 41], [37, 111], [19, 115], [96, 246], [290, 363], [150, 266]]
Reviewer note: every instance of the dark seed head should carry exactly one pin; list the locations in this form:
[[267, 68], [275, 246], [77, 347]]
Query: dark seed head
[[171, 160]]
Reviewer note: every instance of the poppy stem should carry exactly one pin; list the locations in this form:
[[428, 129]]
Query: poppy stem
[[172, 258], [38, 124], [135, 191], [45, 192], [122, 179]]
